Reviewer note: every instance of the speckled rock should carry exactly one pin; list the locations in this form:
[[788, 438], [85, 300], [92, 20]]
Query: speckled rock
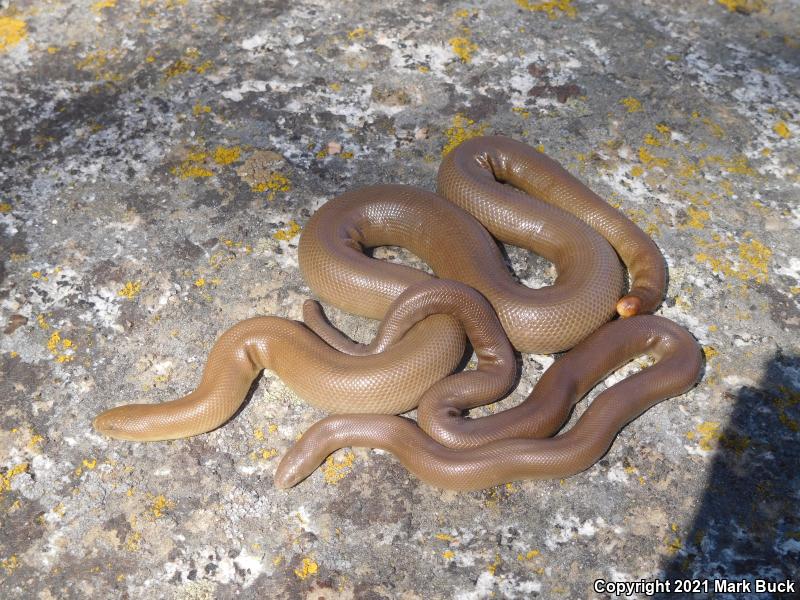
[[158, 160]]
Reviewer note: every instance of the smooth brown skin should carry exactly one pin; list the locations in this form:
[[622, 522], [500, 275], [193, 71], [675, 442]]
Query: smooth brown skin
[[551, 216], [506, 452], [471, 177], [417, 350]]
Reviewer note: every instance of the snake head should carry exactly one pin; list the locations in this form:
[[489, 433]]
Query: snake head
[[129, 422], [289, 472]]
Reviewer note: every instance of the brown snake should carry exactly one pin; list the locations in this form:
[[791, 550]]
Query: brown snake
[[508, 446], [544, 209]]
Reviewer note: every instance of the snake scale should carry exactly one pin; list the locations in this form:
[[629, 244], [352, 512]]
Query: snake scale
[[488, 189]]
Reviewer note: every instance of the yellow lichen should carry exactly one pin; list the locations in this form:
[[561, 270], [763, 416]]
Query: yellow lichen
[[492, 568], [99, 6], [357, 33], [651, 140], [752, 263], [632, 104], [463, 48], [782, 130], [697, 218], [461, 130], [264, 454], [203, 67], [738, 165], [707, 435], [160, 505], [786, 399], [56, 344], [12, 32], [652, 161], [132, 541], [199, 282], [673, 544], [637, 171], [5, 478], [521, 111], [445, 537], [179, 67], [336, 470], [308, 568], [710, 352], [448, 554], [551, 7], [200, 109], [290, 232], [10, 564], [743, 6], [5, 207], [530, 555], [193, 166], [130, 289], [276, 183], [225, 156]]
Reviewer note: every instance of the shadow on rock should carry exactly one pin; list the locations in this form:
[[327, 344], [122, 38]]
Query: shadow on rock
[[747, 525]]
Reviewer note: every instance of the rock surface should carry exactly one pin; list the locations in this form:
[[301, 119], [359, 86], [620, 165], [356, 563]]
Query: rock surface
[[157, 162]]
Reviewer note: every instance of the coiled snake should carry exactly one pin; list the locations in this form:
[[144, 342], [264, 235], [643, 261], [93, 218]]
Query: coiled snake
[[488, 186]]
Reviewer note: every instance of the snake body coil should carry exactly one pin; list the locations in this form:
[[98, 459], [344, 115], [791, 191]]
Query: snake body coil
[[503, 453], [421, 339]]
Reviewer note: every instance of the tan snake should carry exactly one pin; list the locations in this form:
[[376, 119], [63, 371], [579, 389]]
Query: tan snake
[[508, 455], [556, 217]]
